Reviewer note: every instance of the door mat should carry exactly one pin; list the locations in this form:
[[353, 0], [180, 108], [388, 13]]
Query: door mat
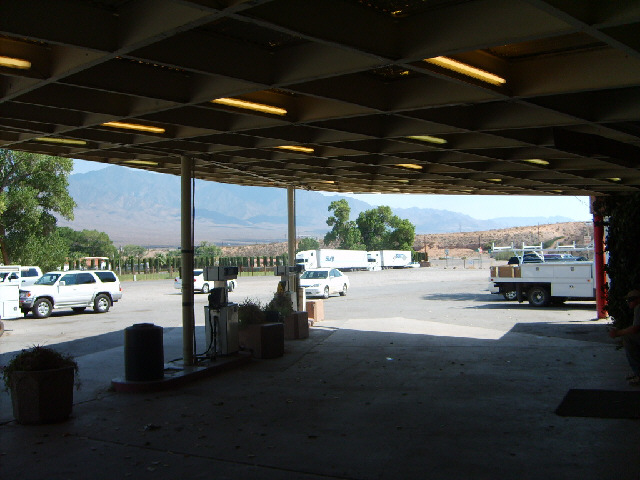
[[600, 404]]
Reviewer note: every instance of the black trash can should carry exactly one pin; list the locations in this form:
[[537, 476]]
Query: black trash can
[[143, 353]]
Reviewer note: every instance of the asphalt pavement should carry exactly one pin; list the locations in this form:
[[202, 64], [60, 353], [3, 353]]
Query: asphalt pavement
[[415, 374]]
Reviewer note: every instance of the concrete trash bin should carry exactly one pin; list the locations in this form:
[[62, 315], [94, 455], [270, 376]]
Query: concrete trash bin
[[143, 353]]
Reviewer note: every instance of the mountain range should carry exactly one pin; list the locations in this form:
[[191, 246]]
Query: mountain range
[[143, 208]]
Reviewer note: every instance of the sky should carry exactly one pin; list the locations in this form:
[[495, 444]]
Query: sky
[[480, 207]]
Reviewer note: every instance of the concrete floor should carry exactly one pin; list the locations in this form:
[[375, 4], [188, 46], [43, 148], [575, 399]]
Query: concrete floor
[[362, 398]]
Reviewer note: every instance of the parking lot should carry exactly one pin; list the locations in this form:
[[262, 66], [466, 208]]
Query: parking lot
[[417, 373], [422, 296]]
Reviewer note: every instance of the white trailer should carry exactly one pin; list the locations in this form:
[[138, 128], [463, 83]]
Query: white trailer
[[380, 259], [333, 258], [545, 283]]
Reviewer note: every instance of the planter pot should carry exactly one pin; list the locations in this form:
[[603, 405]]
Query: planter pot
[[296, 326], [265, 340], [44, 396]]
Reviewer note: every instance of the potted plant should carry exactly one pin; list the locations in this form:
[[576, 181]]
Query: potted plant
[[280, 306], [262, 338], [41, 381]]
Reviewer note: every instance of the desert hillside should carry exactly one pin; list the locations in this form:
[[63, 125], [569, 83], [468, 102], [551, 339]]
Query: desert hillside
[[463, 244]]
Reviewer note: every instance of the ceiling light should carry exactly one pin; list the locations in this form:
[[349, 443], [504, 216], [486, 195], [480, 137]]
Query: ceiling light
[[134, 126], [537, 161], [65, 141], [464, 69], [296, 148], [15, 63], [258, 107], [411, 166], [142, 162], [428, 138], [493, 179], [615, 179], [327, 181]]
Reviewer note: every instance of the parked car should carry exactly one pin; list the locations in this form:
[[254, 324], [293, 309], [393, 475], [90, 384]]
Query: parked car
[[322, 282], [74, 289], [29, 275], [200, 284]]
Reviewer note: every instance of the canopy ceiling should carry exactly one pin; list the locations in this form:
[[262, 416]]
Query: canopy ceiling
[[352, 85]]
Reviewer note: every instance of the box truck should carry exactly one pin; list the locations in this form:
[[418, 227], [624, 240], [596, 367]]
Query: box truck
[[333, 258], [380, 259]]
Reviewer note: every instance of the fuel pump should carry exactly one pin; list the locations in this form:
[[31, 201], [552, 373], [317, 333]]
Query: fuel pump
[[290, 280], [221, 316]]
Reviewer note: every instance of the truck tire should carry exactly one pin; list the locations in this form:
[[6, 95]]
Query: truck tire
[[42, 308], [343, 292], [510, 295], [205, 288], [326, 292], [102, 303], [231, 285], [539, 296]]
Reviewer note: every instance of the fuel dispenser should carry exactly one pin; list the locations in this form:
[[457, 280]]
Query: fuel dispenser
[[221, 316], [290, 280]]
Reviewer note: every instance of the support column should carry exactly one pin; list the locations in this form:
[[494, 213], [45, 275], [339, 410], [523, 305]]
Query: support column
[[188, 319], [598, 250], [291, 243]]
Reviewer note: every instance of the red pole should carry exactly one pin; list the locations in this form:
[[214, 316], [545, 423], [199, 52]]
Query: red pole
[[598, 250]]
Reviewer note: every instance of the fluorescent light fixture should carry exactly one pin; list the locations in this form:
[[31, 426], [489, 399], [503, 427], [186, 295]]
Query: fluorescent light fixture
[[497, 180], [615, 179], [327, 181], [537, 161], [296, 148], [411, 166], [258, 107], [64, 141], [428, 138], [134, 126], [464, 69], [142, 162], [401, 180], [18, 63]]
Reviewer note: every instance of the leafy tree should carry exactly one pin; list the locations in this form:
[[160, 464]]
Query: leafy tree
[[308, 243], [343, 231], [621, 213], [207, 249], [381, 229], [133, 251], [88, 243], [32, 189]]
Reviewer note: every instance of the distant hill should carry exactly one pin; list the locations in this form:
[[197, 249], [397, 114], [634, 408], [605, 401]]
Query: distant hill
[[143, 208]]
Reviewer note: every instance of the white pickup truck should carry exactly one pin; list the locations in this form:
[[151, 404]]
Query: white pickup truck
[[544, 283]]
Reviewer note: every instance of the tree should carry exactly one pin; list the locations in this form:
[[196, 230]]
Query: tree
[[382, 230], [207, 249], [32, 189], [343, 231], [308, 243], [133, 251], [88, 243]]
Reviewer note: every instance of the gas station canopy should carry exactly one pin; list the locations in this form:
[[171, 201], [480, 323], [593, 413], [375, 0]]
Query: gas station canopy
[[524, 97]]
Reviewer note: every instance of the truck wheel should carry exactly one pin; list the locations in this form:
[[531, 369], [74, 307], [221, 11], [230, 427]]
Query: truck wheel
[[539, 296], [231, 285], [205, 288], [42, 308], [344, 290], [326, 292], [102, 303], [510, 295]]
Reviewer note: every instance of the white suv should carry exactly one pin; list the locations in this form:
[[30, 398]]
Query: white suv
[[75, 289]]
